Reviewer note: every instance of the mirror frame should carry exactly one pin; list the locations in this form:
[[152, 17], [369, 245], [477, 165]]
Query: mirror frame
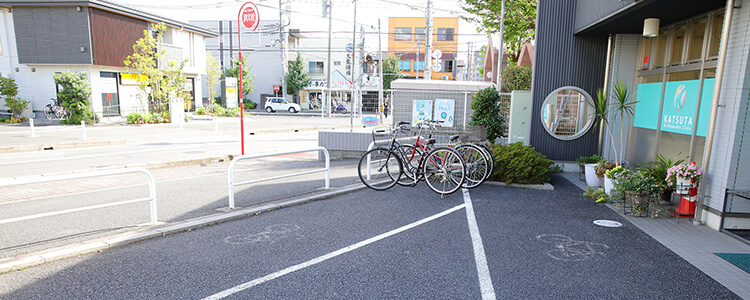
[[586, 127]]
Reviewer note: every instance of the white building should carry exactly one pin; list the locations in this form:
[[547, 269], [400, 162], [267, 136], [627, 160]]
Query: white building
[[41, 38]]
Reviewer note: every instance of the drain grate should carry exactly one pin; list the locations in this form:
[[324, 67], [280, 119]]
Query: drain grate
[[607, 223]]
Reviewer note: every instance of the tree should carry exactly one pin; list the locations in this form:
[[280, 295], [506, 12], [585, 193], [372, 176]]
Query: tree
[[165, 81], [485, 104], [248, 81], [516, 78], [483, 54], [75, 94], [296, 77], [520, 21], [391, 71], [212, 78], [9, 89]]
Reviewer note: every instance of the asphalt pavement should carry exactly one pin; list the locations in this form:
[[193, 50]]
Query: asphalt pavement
[[345, 242]]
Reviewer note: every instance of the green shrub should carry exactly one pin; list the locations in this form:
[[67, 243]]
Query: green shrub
[[135, 118], [516, 163], [485, 104], [139, 118], [247, 104], [200, 111], [516, 78]]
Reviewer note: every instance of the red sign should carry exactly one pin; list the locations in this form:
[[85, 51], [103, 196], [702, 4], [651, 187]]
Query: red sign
[[276, 88], [109, 97], [250, 16]]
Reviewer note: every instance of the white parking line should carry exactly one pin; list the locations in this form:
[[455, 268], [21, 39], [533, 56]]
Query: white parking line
[[333, 254], [485, 281]]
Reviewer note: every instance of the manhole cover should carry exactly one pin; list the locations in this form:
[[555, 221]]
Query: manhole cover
[[607, 223]]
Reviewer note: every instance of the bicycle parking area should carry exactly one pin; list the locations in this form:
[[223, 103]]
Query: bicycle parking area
[[400, 243]]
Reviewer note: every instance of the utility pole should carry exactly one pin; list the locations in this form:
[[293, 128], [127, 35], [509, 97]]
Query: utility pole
[[381, 103], [469, 59], [500, 46], [328, 78], [428, 52], [354, 50], [283, 49]]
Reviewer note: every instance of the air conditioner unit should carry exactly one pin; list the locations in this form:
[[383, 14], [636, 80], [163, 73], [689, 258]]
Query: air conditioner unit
[[445, 77]]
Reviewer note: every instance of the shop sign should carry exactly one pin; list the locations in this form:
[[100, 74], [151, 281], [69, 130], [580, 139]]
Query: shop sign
[[444, 111], [370, 121], [132, 79], [678, 111], [421, 110]]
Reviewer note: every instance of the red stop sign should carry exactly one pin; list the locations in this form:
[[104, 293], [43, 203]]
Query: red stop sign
[[250, 17], [276, 88]]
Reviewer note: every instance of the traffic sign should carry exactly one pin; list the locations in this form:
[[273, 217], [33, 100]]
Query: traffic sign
[[275, 88], [349, 47], [250, 17]]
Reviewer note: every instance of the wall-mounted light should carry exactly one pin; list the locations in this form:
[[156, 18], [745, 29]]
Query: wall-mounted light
[[16, 69], [651, 27], [78, 8], [33, 69], [83, 49]]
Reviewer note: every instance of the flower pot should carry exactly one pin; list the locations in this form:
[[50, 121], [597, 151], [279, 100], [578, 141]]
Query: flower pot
[[682, 186], [608, 185], [639, 203], [591, 179], [666, 197]]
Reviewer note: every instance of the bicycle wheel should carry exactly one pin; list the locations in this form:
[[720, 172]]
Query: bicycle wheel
[[48, 113], [379, 169], [59, 112], [476, 164], [410, 160], [444, 170], [491, 156]]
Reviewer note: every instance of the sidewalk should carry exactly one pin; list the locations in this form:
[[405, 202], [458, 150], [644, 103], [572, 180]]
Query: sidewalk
[[697, 244]]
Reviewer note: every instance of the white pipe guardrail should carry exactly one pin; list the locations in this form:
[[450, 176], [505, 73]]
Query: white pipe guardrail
[[234, 161], [151, 193]]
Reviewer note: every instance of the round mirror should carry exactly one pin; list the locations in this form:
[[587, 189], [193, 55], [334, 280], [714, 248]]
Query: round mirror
[[567, 113]]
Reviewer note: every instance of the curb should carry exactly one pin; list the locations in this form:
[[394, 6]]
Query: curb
[[545, 186], [21, 262], [57, 146]]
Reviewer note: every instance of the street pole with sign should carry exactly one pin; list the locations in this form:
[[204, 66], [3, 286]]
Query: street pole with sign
[[247, 16]]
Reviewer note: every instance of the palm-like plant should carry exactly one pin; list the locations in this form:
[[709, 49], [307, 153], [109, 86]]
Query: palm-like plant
[[623, 104]]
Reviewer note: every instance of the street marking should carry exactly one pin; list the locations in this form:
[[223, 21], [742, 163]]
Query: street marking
[[269, 277], [567, 249], [483, 270], [272, 234]]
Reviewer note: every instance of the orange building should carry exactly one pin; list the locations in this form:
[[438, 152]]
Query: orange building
[[407, 40]]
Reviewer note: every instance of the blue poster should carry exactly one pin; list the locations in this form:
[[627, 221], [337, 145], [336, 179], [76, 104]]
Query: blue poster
[[444, 111], [421, 110], [678, 111]]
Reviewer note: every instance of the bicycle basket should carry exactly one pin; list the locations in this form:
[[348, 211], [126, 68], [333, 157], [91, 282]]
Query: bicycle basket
[[382, 136]]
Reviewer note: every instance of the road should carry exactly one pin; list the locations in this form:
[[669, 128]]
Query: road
[[405, 243]]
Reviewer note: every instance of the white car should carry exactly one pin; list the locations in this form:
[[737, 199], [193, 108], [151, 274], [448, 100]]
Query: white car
[[280, 104]]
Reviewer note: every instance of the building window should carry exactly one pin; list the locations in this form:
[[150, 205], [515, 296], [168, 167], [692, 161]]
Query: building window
[[716, 26], [695, 43], [419, 34], [447, 66], [405, 65], [337, 63], [419, 66], [315, 67], [445, 34], [678, 44], [403, 34]]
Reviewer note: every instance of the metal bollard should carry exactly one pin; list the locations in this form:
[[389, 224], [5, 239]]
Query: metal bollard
[[31, 125], [83, 130]]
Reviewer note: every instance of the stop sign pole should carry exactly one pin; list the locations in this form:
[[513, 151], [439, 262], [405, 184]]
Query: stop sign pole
[[248, 17]]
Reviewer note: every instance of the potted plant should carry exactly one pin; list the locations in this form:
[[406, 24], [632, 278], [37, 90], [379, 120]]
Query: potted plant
[[683, 176], [601, 167], [609, 178], [638, 190], [588, 164], [658, 169]]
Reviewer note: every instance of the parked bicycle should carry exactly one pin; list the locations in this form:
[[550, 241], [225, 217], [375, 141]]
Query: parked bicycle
[[54, 110], [478, 159], [382, 167]]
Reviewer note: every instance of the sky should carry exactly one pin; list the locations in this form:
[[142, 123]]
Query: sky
[[307, 15]]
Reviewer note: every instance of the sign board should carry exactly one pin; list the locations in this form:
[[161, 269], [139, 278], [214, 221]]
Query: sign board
[[231, 92], [250, 17], [275, 88], [421, 110], [444, 111], [370, 121], [680, 104], [132, 79], [349, 47]]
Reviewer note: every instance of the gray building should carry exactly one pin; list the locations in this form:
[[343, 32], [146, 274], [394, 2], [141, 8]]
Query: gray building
[[262, 48], [692, 99]]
